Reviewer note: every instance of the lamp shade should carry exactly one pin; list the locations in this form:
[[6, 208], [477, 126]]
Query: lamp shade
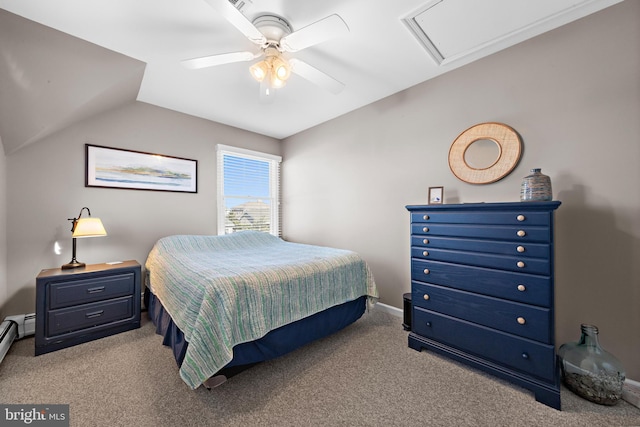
[[281, 68], [88, 227], [259, 70]]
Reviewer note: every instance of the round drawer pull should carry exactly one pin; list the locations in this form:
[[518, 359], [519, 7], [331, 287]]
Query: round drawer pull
[[520, 264], [521, 320], [521, 218], [425, 253], [521, 233], [426, 297], [425, 241], [428, 324], [426, 271], [525, 355], [522, 288], [520, 249], [425, 217], [425, 229]]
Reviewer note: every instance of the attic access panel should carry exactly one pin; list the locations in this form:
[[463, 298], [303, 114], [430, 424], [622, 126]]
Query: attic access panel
[[453, 29]]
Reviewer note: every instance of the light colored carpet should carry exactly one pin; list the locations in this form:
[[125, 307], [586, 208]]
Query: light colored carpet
[[364, 375]]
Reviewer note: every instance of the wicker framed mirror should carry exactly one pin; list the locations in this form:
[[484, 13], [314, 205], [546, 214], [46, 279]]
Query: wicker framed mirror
[[485, 153]]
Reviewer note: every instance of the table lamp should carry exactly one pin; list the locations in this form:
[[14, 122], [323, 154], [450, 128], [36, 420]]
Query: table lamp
[[83, 227]]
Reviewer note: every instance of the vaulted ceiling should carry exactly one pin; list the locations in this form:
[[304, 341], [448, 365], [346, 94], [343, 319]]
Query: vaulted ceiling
[[63, 60]]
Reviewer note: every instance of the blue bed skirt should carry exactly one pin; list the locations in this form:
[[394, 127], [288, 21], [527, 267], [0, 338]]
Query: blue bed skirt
[[276, 343]]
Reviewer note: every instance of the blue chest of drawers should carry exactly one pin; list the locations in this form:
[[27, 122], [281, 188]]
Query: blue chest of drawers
[[482, 289]]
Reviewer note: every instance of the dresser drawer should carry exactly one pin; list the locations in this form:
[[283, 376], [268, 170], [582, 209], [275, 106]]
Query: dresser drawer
[[514, 217], [521, 319], [526, 288], [492, 232], [81, 317], [513, 352], [522, 249], [479, 259], [74, 292]]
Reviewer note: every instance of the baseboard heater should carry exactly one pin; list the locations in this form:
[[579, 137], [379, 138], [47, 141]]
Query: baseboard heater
[[13, 328]]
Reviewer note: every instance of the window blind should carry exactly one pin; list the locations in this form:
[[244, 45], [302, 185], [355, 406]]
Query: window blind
[[248, 191]]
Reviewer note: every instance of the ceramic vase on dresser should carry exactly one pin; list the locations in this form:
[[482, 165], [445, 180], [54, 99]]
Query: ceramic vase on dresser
[[536, 187]]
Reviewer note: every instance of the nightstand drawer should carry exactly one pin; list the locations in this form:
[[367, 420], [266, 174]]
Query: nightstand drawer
[[526, 288], [88, 315], [82, 291], [514, 352], [520, 319]]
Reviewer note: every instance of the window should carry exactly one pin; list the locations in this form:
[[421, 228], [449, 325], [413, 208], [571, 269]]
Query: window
[[248, 191]]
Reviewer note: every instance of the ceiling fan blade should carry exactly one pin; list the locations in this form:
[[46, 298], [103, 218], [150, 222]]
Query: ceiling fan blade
[[238, 20], [213, 60], [316, 76], [318, 32]]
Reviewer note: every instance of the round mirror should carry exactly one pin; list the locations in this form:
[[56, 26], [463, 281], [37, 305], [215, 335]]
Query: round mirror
[[482, 154], [485, 153]]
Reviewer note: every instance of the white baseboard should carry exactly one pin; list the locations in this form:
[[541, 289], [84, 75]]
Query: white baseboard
[[632, 383], [631, 392], [389, 309]]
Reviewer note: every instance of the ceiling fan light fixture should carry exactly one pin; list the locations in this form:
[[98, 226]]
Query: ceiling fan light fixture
[[277, 83], [274, 68], [259, 70], [281, 68]]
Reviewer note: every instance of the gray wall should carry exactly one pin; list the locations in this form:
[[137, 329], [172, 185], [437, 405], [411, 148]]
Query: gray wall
[[45, 186], [574, 96]]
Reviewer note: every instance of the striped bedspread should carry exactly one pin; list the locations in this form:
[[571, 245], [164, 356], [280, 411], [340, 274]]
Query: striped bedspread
[[226, 290]]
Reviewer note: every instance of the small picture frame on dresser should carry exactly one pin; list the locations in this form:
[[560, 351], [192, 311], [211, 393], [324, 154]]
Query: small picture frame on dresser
[[436, 195]]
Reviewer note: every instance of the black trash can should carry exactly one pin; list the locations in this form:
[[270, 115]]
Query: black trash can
[[406, 311]]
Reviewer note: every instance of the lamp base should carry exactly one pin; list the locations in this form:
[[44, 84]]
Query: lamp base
[[73, 264]]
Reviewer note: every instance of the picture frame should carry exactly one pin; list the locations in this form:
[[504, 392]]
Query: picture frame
[[109, 167], [436, 195]]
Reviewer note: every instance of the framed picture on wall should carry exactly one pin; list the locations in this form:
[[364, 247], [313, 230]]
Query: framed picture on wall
[[436, 195], [136, 170]]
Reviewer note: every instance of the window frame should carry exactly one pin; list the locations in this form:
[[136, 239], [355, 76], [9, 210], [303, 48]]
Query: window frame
[[274, 184]]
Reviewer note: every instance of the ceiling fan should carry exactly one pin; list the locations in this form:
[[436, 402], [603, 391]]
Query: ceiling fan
[[275, 36]]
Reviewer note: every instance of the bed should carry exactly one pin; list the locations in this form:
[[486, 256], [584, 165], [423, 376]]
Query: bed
[[225, 303]]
